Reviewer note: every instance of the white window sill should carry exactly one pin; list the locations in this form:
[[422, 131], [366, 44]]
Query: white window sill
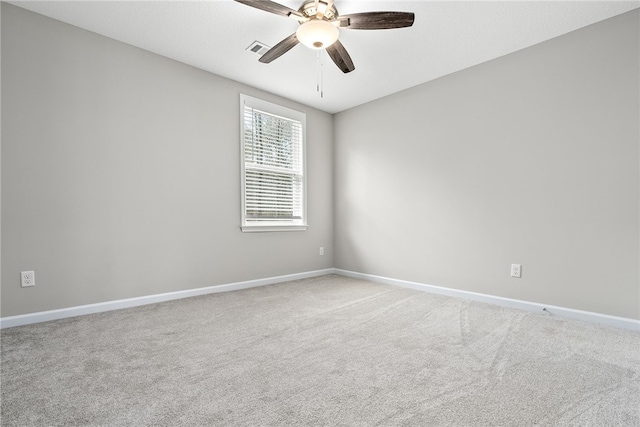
[[266, 228]]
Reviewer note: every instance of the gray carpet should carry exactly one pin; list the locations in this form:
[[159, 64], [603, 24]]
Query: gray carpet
[[325, 351]]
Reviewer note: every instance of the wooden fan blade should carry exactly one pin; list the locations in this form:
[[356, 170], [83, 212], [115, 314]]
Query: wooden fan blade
[[340, 56], [376, 20], [272, 7], [280, 49]]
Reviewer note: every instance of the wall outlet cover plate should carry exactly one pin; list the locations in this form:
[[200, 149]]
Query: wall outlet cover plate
[[27, 279], [516, 270]]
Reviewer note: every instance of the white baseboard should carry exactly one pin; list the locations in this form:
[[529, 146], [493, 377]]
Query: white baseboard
[[45, 316], [603, 319]]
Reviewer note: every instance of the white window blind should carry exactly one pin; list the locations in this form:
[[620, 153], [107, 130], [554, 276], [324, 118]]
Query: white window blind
[[273, 167]]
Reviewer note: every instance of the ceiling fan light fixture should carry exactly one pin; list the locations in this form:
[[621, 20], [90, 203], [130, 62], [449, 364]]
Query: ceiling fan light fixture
[[317, 34]]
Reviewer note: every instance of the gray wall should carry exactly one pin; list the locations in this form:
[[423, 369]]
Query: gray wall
[[121, 173], [531, 158]]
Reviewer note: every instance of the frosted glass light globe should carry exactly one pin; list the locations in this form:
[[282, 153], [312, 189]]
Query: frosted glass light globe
[[317, 34]]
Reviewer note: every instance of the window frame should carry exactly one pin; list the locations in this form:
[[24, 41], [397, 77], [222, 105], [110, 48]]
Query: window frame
[[289, 114]]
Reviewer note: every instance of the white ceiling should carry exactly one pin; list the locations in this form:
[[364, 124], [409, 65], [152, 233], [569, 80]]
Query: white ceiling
[[447, 36]]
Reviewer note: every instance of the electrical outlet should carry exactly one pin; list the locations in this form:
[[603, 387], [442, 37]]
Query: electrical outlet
[[516, 270], [27, 278], [321, 252]]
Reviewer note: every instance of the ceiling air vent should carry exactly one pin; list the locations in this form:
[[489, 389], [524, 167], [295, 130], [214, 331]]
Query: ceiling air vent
[[258, 47]]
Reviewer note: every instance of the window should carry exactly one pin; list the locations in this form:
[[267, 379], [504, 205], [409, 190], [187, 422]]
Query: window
[[273, 163]]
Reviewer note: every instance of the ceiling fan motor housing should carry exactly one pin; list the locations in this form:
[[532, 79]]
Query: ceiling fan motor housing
[[309, 10]]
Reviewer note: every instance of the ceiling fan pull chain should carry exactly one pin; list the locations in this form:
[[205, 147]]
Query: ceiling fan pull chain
[[319, 79], [321, 74], [318, 71]]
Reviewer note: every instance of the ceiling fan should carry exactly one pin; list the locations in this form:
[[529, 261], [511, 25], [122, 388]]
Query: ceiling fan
[[319, 23]]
